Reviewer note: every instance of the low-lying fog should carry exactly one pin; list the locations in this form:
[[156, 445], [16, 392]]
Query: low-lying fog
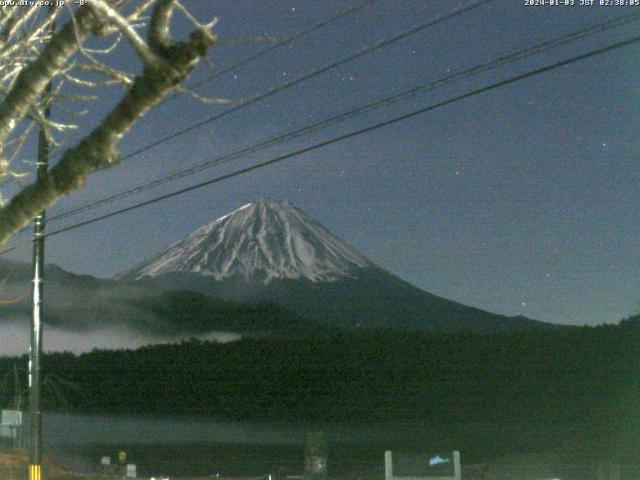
[[14, 339]]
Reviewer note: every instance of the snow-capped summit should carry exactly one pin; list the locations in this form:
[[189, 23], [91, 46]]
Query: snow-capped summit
[[266, 239]]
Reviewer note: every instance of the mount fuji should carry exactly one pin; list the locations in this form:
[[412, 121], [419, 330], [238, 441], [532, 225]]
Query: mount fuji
[[261, 241], [271, 251]]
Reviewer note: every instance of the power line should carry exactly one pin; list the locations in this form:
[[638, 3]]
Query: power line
[[384, 101], [277, 45], [347, 136], [307, 76], [381, 44]]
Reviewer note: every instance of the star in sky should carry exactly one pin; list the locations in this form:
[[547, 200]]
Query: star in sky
[[499, 132]]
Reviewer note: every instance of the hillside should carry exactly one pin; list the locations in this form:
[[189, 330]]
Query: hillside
[[82, 303], [576, 387]]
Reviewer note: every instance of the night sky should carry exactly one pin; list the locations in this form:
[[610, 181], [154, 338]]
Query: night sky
[[522, 200]]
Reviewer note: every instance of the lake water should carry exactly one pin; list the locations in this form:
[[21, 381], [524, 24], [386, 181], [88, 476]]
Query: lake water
[[198, 446], [195, 446]]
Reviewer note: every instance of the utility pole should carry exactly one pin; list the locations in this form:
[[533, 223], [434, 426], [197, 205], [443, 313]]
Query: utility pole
[[35, 348]]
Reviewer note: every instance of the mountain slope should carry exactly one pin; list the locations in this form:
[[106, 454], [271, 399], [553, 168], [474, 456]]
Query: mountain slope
[[272, 251], [265, 240], [81, 303]]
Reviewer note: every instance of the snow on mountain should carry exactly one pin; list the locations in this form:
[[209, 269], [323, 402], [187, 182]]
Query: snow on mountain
[[266, 239], [269, 251]]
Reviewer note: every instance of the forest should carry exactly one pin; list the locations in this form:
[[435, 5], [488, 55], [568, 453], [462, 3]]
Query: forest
[[575, 388]]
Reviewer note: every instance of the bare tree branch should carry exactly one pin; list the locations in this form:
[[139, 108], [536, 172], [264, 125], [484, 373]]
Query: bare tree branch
[[140, 9], [139, 45], [159, 25], [175, 61], [32, 81]]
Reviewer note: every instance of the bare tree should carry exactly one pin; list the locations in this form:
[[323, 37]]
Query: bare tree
[[32, 56]]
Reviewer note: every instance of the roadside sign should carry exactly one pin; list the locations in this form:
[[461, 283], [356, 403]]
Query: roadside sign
[[11, 418]]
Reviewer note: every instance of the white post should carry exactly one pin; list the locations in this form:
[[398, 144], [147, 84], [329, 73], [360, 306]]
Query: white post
[[457, 469], [388, 465], [131, 471]]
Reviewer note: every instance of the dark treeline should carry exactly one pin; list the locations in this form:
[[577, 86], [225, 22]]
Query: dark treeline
[[583, 382]]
